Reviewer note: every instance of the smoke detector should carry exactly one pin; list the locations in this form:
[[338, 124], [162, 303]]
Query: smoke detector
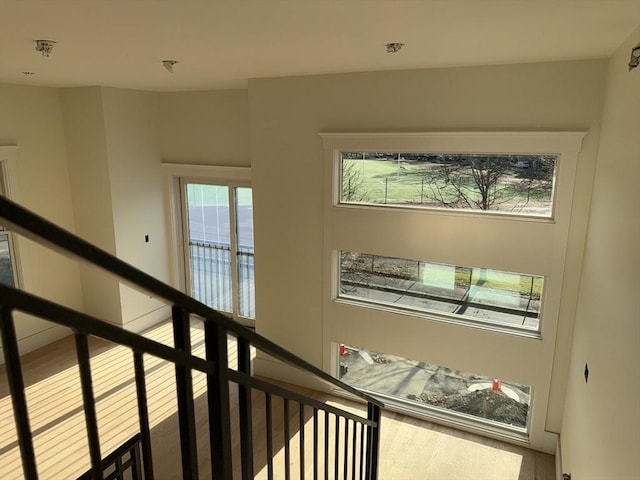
[[45, 46]]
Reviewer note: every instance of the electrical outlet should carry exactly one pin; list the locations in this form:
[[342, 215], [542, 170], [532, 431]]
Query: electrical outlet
[[586, 372]]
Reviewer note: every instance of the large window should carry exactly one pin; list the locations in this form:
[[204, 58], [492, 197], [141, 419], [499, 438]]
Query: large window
[[459, 395], [218, 228], [478, 295], [515, 184]]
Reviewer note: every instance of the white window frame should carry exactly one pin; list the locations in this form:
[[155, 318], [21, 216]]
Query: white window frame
[[175, 175], [8, 186]]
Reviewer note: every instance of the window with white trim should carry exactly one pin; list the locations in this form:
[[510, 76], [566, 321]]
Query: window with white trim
[[464, 294], [9, 271], [479, 181]]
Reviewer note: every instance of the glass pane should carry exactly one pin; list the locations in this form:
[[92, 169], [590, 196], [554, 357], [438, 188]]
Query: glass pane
[[6, 269], [516, 184], [246, 266], [210, 245], [477, 294], [433, 386]]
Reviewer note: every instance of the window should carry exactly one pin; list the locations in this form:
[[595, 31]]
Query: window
[[7, 267], [8, 254], [458, 395], [513, 184], [219, 253], [477, 295]]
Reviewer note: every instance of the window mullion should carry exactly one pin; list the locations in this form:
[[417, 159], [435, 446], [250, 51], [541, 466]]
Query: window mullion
[[234, 251]]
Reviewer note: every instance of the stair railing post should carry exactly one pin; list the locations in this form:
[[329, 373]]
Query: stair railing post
[[184, 393], [245, 410], [219, 409], [373, 441]]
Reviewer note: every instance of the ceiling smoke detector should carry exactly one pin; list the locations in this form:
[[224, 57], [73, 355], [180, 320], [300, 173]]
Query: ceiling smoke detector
[[634, 61], [394, 47], [168, 64], [45, 46]]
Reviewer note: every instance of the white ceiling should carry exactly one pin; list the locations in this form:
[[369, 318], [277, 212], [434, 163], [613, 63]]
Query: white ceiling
[[221, 44]]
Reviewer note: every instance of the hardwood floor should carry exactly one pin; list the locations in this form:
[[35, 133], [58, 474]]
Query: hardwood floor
[[410, 448]]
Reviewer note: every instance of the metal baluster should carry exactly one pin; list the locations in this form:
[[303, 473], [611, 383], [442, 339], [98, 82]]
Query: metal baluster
[[18, 397], [373, 440], [269, 427], [346, 448], [354, 450], [218, 402], [362, 449], [326, 445], [245, 410], [143, 415], [89, 404], [337, 448], [184, 393], [315, 443], [287, 451], [301, 427]]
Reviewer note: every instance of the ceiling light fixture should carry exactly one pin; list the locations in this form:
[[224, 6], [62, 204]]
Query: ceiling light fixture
[[45, 46], [168, 64], [394, 47], [634, 61]]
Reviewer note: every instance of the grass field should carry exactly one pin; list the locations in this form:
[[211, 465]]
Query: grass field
[[408, 182]]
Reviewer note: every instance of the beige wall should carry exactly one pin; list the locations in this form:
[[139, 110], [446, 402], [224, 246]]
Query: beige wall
[[205, 128], [601, 425], [91, 194], [286, 116], [136, 186], [31, 119]]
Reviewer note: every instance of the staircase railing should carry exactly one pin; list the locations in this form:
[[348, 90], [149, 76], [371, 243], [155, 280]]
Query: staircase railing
[[348, 453]]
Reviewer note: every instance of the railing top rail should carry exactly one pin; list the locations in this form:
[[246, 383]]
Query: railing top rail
[[34, 227], [82, 323]]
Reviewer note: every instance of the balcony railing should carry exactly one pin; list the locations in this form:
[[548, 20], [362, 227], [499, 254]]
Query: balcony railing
[[344, 443]]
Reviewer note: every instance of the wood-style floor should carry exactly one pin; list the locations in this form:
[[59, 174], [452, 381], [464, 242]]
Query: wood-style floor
[[410, 448]]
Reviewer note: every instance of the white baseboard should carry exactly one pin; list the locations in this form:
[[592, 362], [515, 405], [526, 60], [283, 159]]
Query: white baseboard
[[148, 320], [39, 339], [270, 367]]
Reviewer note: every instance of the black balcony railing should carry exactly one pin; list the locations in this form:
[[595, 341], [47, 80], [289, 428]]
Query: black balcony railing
[[344, 444]]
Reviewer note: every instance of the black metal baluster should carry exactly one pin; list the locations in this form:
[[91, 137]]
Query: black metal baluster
[[184, 393], [373, 441], [301, 427], [337, 448], [362, 449], [287, 450], [354, 450], [315, 443], [326, 445], [346, 448], [89, 405], [18, 396], [143, 415], [219, 408], [269, 422], [136, 460], [245, 410]]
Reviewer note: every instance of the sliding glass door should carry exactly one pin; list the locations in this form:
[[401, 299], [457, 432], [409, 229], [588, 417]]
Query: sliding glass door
[[219, 249]]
